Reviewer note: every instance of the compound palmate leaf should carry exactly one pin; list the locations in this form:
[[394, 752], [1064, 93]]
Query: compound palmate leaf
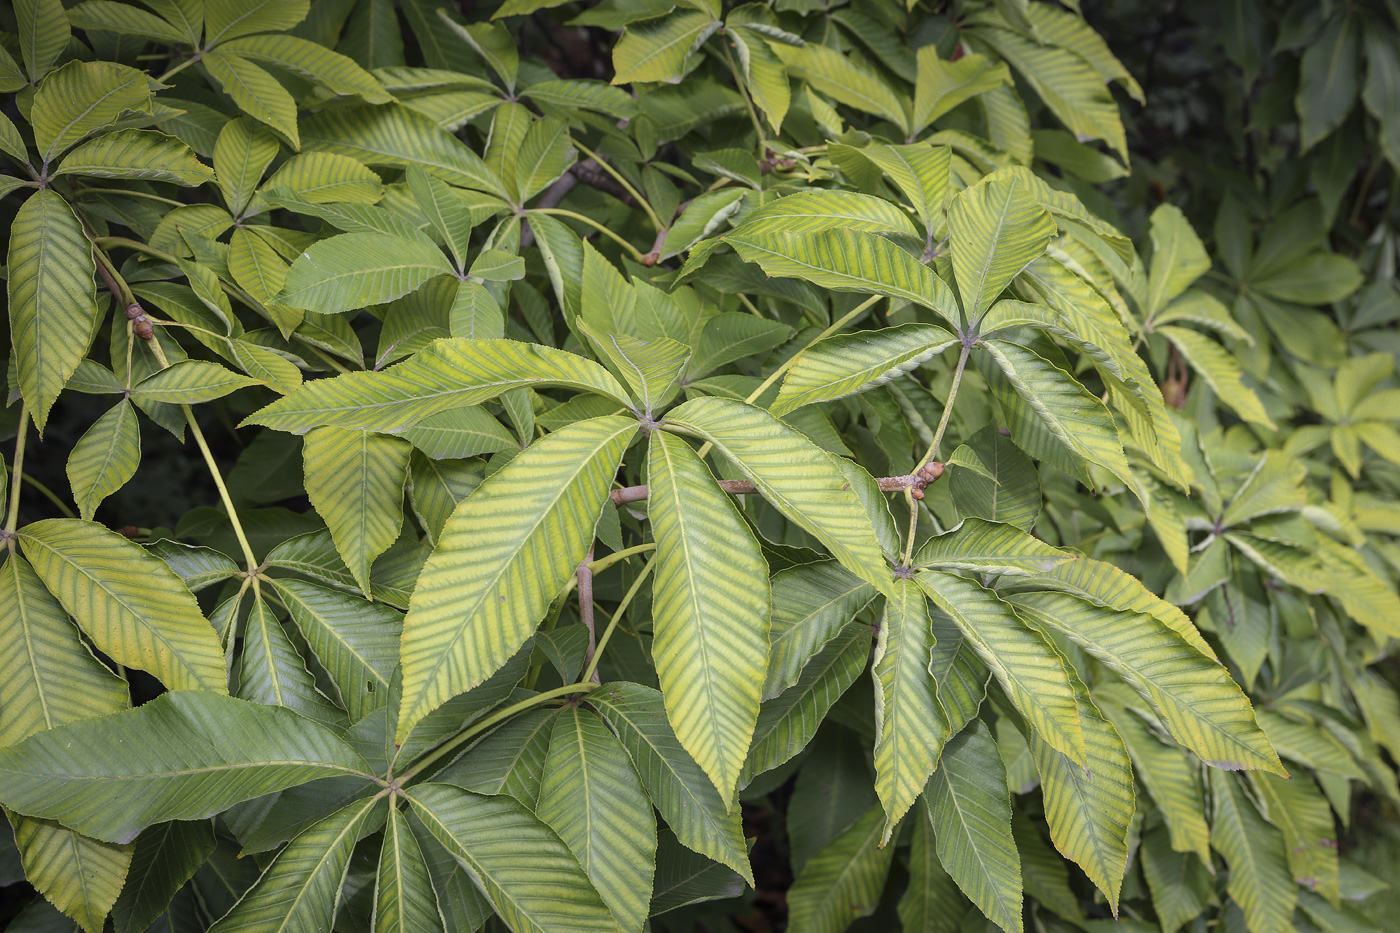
[[502, 557], [185, 755]]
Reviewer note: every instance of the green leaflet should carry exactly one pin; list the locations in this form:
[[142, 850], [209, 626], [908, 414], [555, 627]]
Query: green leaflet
[[844, 880], [848, 261], [1052, 402], [1089, 806], [710, 605], [356, 642], [129, 603], [529, 876], [104, 458], [354, 270], [112, 776], [1170, 778], [1260, 881], [969, 809], [81, 876], [81, 97], [450, 373], [136, 154], [932, 902], [978, 546], [272, 672], [657, 49], [1029, 669], [404, 900], [997, 229], [300, 890], [480, 595], [52, 299], [682, 792], [164, 857], [794, 475], [355, 480], [910, 730], [1199, 704], [845, 364], [594, 800], [788, 722], [190, 382], [1220, 370], [812, 603], [256, 92]]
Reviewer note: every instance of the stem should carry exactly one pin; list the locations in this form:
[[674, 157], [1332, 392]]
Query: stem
[[603, 563], [107, 242], [932, 451], [131, 194], [176, 69], [748, 100], [50, 495], [845, 319], [213, 466], [17, 471], [560, 212], [481, 726], [632, 591], [626, 185], [744, 300], [585, 606]]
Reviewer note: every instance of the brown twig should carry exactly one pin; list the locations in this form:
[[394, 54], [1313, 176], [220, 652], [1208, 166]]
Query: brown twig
[[916, 482]]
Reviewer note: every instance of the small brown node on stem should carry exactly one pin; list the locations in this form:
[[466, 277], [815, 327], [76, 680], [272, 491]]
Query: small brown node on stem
[[141, 325]]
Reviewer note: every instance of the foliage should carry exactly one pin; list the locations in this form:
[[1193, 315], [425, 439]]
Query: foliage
[[892, 488]]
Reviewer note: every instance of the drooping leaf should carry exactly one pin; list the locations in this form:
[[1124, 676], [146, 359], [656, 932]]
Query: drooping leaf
[[1089, 806], [52, 298], [129, 603], [355, 270], [404, 900], [450, 373], [356, 642], [700, 818], [164, 858], [843, 881], [710, 604], [593, 799], [910, 730], [529, 875], [788, 722], [112, 776], [845, 364], [1025, 664], [811, 605], [189, 382], [1260, 881], [479, 596], [657, 49], [272, 672], [300, 890], [969, 808], [1198, 702], [105, 458], [256, 92], [355, 479], [794, 475]]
